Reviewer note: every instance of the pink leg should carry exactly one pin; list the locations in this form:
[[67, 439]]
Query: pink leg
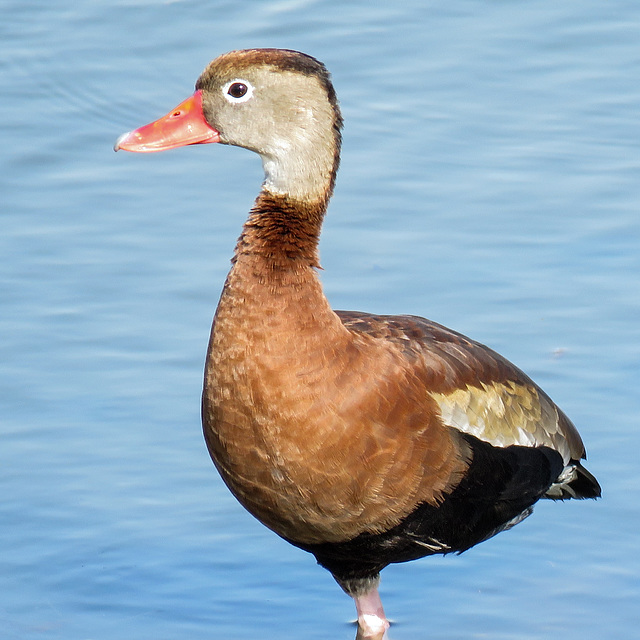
[[371, 619]]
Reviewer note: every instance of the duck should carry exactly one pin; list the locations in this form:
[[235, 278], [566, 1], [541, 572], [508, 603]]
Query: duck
[[362, 439]]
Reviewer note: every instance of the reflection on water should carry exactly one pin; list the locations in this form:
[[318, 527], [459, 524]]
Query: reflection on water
[[489, 182]]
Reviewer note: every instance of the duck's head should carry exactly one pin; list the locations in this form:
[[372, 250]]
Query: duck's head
[[279, 103]]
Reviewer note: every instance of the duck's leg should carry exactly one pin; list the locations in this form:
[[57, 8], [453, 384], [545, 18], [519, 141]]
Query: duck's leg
[[371, 619], [372, 622]]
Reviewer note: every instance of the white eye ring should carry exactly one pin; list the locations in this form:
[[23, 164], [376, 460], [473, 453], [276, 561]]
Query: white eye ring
[[237, 90]]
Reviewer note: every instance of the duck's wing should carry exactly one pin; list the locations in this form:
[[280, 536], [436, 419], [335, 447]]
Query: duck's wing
[[482, 394]]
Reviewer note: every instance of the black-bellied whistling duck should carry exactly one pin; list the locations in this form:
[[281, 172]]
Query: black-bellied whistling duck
[[363, 439]]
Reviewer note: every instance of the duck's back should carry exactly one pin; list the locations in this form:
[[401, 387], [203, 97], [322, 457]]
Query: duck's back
[[481, 394]]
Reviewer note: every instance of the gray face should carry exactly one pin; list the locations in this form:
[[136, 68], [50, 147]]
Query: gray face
[[283, 115]]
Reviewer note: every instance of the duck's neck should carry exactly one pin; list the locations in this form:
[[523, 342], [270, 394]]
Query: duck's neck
[[280, 237], [273, 287], [273, 308]]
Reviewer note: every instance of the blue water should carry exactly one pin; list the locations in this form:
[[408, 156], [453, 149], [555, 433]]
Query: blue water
[[490, 181]]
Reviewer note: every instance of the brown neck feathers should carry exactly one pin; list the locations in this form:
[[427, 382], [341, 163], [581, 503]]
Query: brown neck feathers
[[282, 232]]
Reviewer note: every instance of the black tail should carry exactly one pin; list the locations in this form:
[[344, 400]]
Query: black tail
[[578, 484]]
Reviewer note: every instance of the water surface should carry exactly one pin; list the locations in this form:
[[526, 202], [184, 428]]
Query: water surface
[[490, 181]]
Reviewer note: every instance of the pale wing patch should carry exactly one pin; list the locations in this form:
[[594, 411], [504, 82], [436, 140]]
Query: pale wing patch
[[504, 414]]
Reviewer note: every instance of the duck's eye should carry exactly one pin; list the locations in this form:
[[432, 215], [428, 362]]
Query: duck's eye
[[237, 91]]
